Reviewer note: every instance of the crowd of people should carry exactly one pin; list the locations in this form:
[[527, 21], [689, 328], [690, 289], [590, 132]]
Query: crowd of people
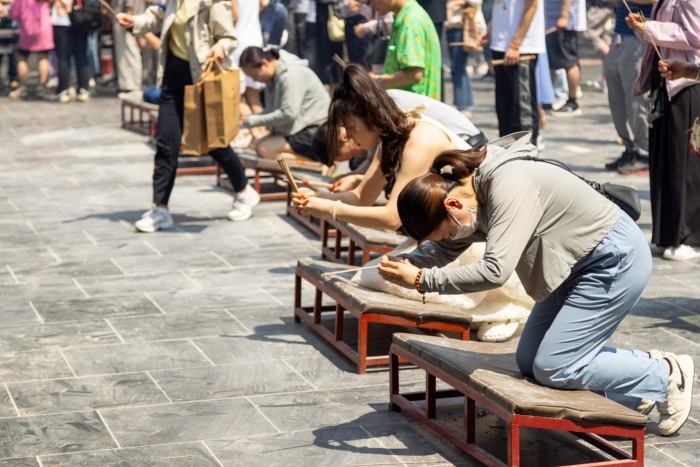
[[580, 257]]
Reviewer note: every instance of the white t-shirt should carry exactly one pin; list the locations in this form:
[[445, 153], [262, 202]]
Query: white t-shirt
[[249, 33], [504, 23]]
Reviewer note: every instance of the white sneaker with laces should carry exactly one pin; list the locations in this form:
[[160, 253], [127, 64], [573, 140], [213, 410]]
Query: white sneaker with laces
[[681, 253], [243, 203], [679, 395], [83, 95], [63, 97], [155, 219]]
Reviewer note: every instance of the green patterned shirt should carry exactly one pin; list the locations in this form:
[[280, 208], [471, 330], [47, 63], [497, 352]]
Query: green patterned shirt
[[415, 43]]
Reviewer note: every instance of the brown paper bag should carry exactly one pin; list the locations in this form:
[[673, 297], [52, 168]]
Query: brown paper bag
[[222, 98], [194, 132]]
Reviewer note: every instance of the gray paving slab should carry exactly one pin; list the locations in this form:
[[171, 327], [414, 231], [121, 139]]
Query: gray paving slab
[[226, 381], [23, 338], [25, 462], [185, 421], [33, 365], [76, 394], [53, 434], [181, 454], [94, 308], [232, 297], [124, 358]]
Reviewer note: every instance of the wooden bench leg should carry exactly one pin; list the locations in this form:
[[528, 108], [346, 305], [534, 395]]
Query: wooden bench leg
[[362, 345], [318, 301], [297, 296], [430, 399], [469, 420], [393, 381], [339, 322], [513, 444]]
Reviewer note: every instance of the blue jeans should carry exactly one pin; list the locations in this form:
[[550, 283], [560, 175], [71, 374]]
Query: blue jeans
[[564, 341], [463, 95]]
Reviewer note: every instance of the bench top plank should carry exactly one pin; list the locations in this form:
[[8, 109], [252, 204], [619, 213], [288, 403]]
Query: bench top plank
[[373, 301], [490, 369]]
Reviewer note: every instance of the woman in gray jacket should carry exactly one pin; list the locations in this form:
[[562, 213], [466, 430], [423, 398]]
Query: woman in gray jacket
[[583, 260]]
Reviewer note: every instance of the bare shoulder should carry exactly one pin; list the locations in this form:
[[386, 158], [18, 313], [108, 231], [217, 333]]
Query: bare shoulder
[[427, 136]]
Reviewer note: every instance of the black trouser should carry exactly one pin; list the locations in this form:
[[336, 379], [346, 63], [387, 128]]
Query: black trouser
[[71, 43], [170, 116], [516, 97]]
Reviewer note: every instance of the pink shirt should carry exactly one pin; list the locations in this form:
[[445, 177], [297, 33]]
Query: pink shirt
[[35, 29], [675, 31]]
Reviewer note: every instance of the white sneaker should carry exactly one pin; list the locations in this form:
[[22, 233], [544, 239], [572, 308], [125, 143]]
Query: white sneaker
[[83, 95], [63, 97], [679, 395], [243, 204], [134, 95], [155, 219], [19, 93], [681, 253]]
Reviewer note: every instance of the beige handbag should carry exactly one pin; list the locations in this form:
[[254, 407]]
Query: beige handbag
[[336, 26]]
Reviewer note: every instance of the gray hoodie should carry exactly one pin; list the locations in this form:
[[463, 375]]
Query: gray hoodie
[[537, 220], [294, 99]]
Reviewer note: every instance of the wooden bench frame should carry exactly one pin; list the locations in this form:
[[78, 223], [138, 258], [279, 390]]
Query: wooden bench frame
[[139, 117], [311, 315], [331, 229], [589, 431]]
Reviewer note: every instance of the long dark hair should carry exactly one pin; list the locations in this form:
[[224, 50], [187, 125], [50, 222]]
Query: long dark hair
[[253, 56], [361, 97], [421, 203]]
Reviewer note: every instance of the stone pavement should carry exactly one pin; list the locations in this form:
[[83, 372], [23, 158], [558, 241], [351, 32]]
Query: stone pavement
[[179, 348]]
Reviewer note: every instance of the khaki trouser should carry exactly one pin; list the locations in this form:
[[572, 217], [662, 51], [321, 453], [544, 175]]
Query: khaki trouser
[[128, 60]]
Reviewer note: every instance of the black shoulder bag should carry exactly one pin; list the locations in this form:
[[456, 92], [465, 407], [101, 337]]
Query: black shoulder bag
[[625, 197]]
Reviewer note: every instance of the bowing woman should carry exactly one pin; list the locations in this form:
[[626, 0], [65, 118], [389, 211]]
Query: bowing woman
[[407, 145], [579, 256]]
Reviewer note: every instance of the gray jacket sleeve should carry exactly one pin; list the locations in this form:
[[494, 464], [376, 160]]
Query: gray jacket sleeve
[[290, 91], [514, 211]]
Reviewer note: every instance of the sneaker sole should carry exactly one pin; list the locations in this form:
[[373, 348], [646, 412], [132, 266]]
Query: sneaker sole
[[689, 380], [567, 114], [634, 172], [155, 229]]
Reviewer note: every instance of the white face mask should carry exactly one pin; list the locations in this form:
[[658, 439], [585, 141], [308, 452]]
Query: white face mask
[[464, 231]]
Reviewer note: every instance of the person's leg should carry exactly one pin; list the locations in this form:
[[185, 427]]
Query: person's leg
[[630, 64], [62, 42], [602, 289], [22, 68], [272, 145], [232, 166], [458, 67], [169, 128], [43, 67], [538, 323], [506, 96], [80, 53]]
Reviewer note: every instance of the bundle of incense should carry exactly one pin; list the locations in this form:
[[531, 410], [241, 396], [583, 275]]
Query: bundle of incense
[[349, 270], [524, 58], [285, 168], [317, 184]]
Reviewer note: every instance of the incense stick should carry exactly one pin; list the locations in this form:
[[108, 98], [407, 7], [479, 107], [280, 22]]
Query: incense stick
[[646, 29], [524, 58], [317, 184], [283, 163], [339, 61], [349, 270]]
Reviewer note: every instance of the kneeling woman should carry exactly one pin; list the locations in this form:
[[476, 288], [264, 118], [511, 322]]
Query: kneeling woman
[[583, 260], [296, 104]]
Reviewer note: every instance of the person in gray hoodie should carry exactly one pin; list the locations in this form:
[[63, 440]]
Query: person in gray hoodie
[[296, 104], [579, 256]]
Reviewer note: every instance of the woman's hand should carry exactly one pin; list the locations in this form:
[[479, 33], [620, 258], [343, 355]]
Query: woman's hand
[[346, 183], [398, 272], [359, 30], [635, 22], [317, 207], [125, 20], [216, 53], [301, 197], [674, 69]]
